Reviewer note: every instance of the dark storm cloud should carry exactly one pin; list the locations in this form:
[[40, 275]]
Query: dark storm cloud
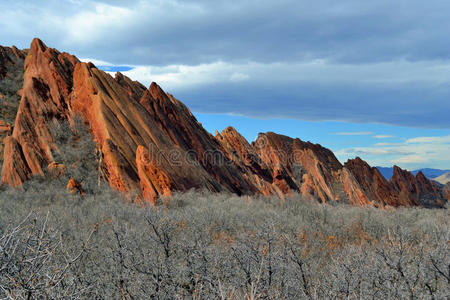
[[316, 102], [192, 32], [339, 33]]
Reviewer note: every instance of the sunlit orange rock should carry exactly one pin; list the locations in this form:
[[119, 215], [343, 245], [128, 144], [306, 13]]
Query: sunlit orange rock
[[376, 187], [154, 180], [74, 187], [14, 170], [307, 168], [120, 124], [151, 144], [45, 95], [402, 190], [244, 156], [56, 170], [5, 128]]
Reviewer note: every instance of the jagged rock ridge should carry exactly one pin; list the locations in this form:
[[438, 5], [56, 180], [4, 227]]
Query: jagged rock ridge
[[151, 143]]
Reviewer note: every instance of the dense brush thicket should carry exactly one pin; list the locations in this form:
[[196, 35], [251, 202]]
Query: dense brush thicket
[[203, 246], [197, 245]]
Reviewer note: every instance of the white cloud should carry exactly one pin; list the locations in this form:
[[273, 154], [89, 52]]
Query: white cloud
[[179, 76], [88, 25], [236, 77], [387, 144], [331, 73], [433, 152], [97, 62], [355, 133], [409, 159], [387, 73], [430, 140], [384, 136]]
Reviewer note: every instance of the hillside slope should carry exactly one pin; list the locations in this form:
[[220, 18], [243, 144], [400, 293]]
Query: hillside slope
[[444, 178]]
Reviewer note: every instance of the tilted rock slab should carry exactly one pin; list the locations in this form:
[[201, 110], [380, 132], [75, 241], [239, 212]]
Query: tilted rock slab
[[151, 144]]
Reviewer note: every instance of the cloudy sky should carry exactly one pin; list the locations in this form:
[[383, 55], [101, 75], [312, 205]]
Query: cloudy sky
[[364, 78]]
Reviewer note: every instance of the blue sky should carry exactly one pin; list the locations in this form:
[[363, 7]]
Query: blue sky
[[366, 78]]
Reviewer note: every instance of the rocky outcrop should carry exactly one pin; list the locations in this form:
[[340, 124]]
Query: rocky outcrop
[[153, 179], [149, 143], [56, 170], [416, 190], [45, 97], [307, 168], [248, 162], [174, 141], [403, 189], [15, 170], [373, 183], [178, 123], [74, 187]]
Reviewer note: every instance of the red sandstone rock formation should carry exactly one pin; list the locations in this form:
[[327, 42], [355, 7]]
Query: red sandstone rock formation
[[244, 156], [74, 187], [403, 189], [45, 96], [159, 124], [416, 190], [308, 168], [151, 143], [153, 179], [373, 183]]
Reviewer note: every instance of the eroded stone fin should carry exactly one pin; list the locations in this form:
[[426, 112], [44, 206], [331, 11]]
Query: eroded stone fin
[[403, 189], [127, 120], [15, 169], [154, 180], [45, 97]]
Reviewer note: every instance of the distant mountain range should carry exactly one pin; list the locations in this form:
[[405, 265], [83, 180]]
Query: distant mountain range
[[428, 172]]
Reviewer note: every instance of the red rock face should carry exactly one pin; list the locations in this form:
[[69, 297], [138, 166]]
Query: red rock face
[[417, 190], [307, 168], [153, 179], [151, 144], [403, 189], [162, 126], [74, 187], [45, 95], [248, 162], [374, 184]]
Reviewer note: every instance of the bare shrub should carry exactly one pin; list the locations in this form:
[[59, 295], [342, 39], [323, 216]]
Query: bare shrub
[[202, 246]]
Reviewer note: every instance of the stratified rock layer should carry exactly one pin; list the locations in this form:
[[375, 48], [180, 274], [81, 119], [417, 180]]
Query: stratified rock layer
[[307, 168], [403, 189], [45, 97], [150, 143], [374, 184]]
